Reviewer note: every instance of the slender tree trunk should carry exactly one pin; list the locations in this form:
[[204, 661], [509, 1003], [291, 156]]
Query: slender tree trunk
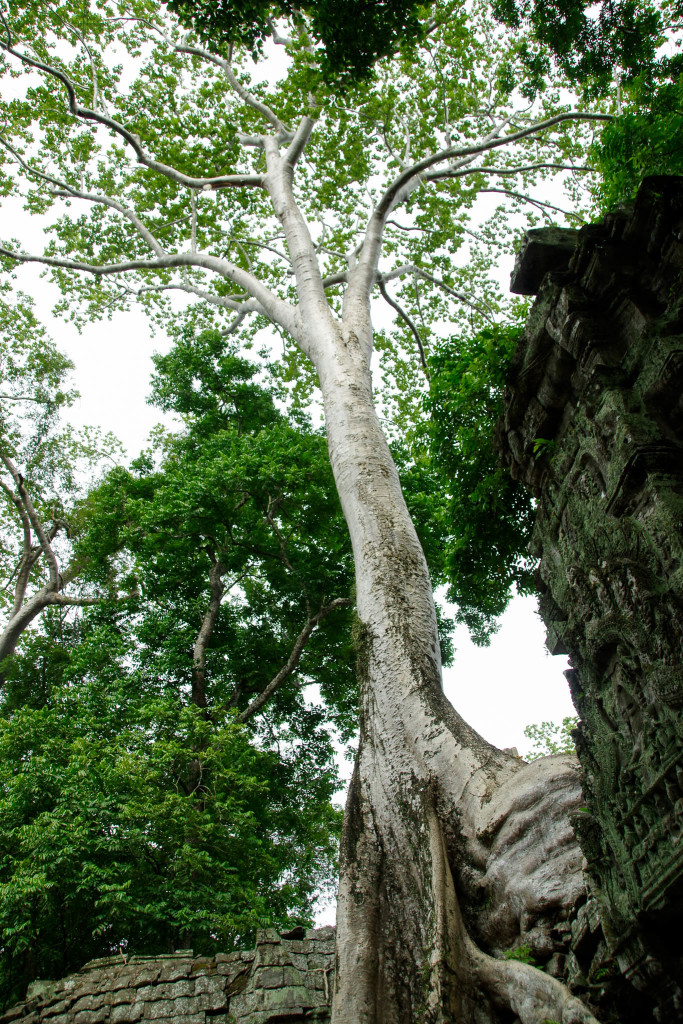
[[441, 856]]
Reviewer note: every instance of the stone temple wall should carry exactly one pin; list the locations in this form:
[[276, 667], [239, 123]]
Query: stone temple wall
[[287, 978], [593, 426]]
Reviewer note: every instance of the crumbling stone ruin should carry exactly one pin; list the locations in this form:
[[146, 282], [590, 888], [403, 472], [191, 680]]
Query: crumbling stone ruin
[[286, 978], [593, 426]]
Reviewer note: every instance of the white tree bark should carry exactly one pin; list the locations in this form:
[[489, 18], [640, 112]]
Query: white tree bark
[[437, 818]]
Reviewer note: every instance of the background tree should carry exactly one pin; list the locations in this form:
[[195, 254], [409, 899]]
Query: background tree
[[296, 208], [164, 781], [590, 41], [44, 465], [129, 821], [549, 738]]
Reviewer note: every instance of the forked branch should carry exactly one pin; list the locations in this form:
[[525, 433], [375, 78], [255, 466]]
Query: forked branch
[[363, 276]]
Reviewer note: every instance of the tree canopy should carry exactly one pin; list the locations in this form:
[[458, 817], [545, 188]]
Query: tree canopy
[[589, 41], [149, 774]]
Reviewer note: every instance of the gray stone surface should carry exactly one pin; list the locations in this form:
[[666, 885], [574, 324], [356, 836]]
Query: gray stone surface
[[283, 979], [599, 377], [543, 250]]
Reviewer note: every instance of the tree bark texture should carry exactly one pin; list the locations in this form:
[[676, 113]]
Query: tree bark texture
[[453, 850]]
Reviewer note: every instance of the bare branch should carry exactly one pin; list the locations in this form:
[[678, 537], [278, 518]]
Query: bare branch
[[387, 200], [411, 268], [97, 99], [216, 591], [193, 227], [64, 190], [34, 519], [364, 274], [404, 316], [30, 554], [458, 172], [278, 39], [298, 143], [540, 204], [247, 97], [272, 306]]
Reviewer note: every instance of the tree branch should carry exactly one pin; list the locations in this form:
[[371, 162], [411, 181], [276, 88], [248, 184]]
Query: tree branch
[[411, 268], [86, 114], [542, 206], [34, 519], [298, 143], [363, 277], [247, 97], [69, 192], [216, 591], [273, 307], [29, 555], [402, 313], [458, 172], [290, 665]]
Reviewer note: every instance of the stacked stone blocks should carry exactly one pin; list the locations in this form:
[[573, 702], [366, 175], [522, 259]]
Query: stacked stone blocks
[[286, 978]]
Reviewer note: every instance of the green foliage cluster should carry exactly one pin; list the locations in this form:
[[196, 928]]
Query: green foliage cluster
[[128, 820], [489, 514], [353, 34], [644, 140], [589, 40], [551, 738], [522, 954], [138, 811]]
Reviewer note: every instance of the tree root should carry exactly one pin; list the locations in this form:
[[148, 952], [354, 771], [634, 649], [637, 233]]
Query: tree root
[[534, 996], [404, 951]]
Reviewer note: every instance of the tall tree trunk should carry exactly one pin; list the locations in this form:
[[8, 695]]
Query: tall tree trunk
[[450, 846]]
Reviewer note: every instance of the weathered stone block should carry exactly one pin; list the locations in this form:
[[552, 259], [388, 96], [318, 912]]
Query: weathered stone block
[[276, 998], [122, 996], [175, 971], [146, 975], [91, 1016], [203, 965], [93, 1002], [268, 977], [209, 984], [126, 1013]]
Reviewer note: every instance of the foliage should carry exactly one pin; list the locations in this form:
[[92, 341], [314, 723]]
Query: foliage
[[522, 954], [489, 514], [587, 40], [132, 811], [591, 41], [550, 738], [43, 463], [242, 488], [353, 34], [644, 140], [130, 820]]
